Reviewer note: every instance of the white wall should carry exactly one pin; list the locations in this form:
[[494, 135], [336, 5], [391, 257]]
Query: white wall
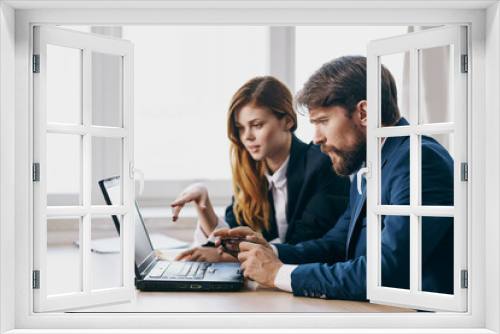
[[7, 186], [492, 163]]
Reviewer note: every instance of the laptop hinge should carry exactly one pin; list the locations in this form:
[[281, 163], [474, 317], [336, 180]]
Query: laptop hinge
[[465, 64], [36, 172], [36, 279], [465, 279], [36, 63], [464, 167]]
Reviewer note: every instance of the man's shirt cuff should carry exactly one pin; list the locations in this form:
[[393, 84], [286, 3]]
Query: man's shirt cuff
[[283, 279]]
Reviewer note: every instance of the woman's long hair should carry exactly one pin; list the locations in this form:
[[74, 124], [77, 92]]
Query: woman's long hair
[[251, 204]]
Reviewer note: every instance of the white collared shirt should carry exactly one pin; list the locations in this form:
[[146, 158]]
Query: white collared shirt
[[278, 184]]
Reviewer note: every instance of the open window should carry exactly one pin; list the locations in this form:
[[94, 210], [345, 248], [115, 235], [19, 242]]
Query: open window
[[449, 131], [69, 121]]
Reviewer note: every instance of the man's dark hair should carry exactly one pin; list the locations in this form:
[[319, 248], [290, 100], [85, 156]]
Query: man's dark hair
[[342, 82]]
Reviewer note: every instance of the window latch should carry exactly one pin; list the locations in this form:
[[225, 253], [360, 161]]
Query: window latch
[[368, 174], [132, 171]]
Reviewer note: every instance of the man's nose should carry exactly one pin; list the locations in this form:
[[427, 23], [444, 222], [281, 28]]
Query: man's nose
[[318, 137]]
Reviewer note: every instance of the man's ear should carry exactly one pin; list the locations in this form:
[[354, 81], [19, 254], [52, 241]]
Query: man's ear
[[361, 112]]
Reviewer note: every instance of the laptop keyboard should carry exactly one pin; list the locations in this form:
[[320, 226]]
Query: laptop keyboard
[[180, 270]]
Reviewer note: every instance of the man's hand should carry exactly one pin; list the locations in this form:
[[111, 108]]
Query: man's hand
[[259, 263], [204, 254], [243, 232]]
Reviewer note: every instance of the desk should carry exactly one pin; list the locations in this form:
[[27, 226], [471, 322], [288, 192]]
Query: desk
[[261, 299], [252, 298]]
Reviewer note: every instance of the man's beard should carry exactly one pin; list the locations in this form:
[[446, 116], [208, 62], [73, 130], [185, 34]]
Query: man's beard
[[350, 160]]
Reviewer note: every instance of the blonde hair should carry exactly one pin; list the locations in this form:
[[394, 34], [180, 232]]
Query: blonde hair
[[251, 204]]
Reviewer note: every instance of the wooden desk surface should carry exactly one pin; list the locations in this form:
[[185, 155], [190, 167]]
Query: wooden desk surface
[[261, 299], [63, 259]]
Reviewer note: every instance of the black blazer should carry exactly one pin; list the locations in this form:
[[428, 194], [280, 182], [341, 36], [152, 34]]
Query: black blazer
[[317, 196]]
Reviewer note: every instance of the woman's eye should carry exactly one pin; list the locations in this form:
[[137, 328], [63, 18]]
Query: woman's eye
[[258, 126]]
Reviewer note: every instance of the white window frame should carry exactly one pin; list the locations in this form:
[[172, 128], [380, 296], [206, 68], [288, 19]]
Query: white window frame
[[86, 43], [484, 213], [414, 43]]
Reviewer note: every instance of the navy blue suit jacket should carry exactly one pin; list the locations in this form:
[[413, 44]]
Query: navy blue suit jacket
[[317, 196], [334, 266]]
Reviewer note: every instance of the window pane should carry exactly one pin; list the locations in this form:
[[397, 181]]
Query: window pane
[[107, 155], [436, 85], [107, 88], [398, 65], [395, 252], [437, 254], [63, 256], [399, 187], [64, 85], [184, 79], [105, 261], [63, 169], [437, 170]]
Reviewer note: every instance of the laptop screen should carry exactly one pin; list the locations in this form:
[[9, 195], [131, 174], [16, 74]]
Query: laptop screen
[[144, 251]]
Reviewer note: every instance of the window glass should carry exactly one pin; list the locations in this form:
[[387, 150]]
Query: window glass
[[105, 259], [399, 195], [106, 89], [434, 247], [107, 161], [395, 258], [431, 147], [398, 65], [64, 169], [436, 84], [64, 264], [64, 88]]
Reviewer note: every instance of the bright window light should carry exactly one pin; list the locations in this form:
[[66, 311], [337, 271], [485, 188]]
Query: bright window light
[[184, 80], [317, 45]]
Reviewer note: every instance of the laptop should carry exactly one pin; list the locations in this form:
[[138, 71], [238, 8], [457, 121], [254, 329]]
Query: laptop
[[155, 274]]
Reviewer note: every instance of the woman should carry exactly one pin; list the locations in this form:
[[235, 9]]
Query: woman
[[284, 188]]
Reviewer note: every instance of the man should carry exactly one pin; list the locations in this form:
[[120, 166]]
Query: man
[[334, 266]]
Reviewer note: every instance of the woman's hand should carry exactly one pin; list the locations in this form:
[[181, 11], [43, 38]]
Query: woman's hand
[[196, 193], [204, 254]]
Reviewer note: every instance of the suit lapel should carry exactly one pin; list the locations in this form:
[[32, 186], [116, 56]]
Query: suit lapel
[[295, 175], [390, 146], [360, 200]]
